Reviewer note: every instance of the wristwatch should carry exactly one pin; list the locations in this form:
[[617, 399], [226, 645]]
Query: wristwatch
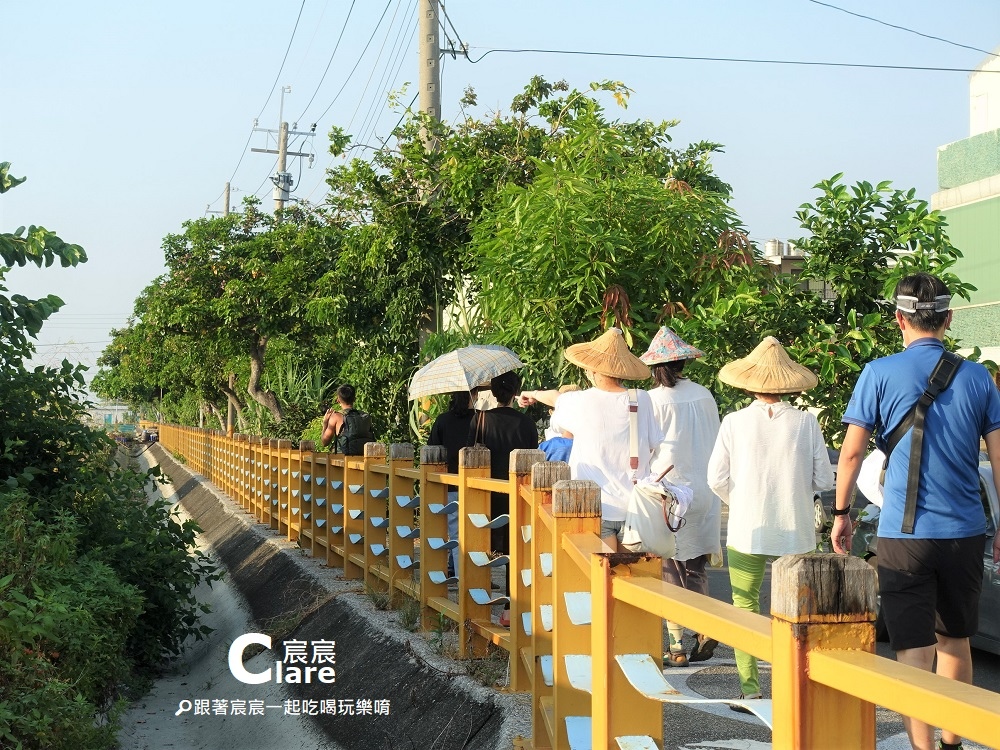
[[840, 511]]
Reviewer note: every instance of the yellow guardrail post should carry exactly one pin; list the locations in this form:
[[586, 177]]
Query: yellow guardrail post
[[335, 494], [307, 508], [400, 457], [375, 519], [819, 601], [521, 463], [542, 545], [472, 462], [576, 509], [433, 460], [294, 496], [618, 709], [280, 477], [256, 477]]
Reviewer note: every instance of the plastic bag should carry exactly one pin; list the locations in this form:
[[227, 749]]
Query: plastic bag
[[870, 477]]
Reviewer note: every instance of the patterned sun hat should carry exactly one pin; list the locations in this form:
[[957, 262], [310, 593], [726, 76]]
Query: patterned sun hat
[[667, 346]]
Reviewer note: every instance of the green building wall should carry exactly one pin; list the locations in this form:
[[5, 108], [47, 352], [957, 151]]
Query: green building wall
[[975, 230], [968, 160]]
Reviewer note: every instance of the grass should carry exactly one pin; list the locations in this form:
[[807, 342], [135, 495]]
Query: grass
[[409, 614], [380, 598], [490, 670]]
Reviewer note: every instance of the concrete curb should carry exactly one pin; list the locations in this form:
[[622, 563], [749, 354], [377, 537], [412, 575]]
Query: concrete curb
[[293, 597]]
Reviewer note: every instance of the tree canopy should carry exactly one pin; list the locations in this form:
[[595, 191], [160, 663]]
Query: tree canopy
[[534, 229]]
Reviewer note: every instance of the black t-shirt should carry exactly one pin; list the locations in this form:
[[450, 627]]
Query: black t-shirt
[[452, 431], [502, 430]]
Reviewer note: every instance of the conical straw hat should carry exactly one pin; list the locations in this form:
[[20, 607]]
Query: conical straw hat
[[768, 369], [608, 355], [667, 346]]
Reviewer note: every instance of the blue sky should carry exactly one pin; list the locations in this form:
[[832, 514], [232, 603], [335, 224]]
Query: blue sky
[[128, 118]]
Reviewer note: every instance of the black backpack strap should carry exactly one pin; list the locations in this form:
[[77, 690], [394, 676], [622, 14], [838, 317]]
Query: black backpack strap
[[939, 380]]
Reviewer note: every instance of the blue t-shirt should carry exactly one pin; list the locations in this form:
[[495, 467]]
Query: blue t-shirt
[[948, 502], [557, 448]]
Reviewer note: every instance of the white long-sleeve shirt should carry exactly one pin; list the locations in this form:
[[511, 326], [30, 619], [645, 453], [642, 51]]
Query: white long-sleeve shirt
[[599, 423], [768, 461], [689, 418]]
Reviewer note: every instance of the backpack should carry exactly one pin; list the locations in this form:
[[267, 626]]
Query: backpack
[[357, 431]]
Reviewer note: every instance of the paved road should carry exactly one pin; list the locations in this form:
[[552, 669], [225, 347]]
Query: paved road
[[718, 727]]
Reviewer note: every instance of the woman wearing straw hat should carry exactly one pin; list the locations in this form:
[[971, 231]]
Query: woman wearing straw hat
[[768, 460], [689, 418], [598, 418]]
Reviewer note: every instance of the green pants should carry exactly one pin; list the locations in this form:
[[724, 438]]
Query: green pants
[[746, 574]]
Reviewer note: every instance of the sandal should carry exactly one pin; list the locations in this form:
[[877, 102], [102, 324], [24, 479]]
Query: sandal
[[704, 649], [740, 708], [675, 659]]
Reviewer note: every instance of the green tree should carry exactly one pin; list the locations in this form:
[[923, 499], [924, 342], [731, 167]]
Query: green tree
[[83, 606], [234, 286]]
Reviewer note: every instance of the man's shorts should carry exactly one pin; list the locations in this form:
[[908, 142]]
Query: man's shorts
[[930, 586]]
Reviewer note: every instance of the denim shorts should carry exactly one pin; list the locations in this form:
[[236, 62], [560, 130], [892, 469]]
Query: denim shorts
[[612, 528]]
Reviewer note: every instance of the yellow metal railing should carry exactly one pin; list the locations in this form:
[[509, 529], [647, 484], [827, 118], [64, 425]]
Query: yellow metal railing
[[585, 621]]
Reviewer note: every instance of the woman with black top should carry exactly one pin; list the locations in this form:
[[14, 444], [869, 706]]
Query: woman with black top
[[451, 429], [502, 430]]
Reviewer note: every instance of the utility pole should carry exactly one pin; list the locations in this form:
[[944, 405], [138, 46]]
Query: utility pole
[[225, 203], [282, 179], [429, 70]]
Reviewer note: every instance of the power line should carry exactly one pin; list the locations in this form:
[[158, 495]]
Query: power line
[[448, 18], [328, 63], [901, 28], [819, 63], [378, 58], [360, 58], [389, 75], [283, 60], [269, 95]]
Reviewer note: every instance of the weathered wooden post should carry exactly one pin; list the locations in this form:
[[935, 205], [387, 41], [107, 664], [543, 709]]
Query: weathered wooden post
[[819, 601]]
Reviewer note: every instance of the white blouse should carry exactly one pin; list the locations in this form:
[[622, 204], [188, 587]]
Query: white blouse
[[599, 423], [689, 417], [768, 461]]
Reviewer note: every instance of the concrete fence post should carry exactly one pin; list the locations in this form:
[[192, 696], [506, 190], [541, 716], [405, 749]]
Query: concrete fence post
[[819, 601], [521, 464], [539, 547], [433, 460], [473, 463]]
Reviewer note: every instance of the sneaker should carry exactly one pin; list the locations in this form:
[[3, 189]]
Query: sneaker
[[743, 709], [942, 746], [704, 649], [675, 659]]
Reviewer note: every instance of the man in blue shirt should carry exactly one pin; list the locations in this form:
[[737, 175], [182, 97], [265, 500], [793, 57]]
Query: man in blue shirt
[[929, 580]]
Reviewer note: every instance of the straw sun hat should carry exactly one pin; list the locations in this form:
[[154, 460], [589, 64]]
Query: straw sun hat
[[768, 369], [608, 355]]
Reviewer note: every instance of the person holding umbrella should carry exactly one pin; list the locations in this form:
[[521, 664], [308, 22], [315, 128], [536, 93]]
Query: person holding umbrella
[[600, 420]]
